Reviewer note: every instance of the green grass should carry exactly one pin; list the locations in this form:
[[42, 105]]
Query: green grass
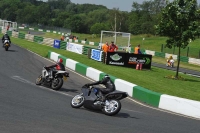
[[153, 79]]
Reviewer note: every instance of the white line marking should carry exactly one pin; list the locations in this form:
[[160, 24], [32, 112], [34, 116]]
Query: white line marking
[[18, 78]]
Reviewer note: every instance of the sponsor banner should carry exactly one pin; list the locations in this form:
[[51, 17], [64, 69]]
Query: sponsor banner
[[128, 59], [56, 44], [96, 54], [76, 48]]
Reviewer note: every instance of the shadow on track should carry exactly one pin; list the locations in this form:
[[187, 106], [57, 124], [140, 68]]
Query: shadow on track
[[12, 50], [124, 115], [69, 90]]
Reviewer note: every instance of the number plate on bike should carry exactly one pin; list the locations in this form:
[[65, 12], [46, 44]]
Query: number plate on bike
[[64, 77]]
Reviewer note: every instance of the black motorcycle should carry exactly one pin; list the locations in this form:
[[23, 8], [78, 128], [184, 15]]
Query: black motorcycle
[[6, 44], [56, 82], [110, 106]]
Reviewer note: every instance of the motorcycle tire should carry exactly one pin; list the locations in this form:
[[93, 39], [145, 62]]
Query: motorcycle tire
[[39, 81], [57, 86], [113, 108], [6, 48], [77, 101]]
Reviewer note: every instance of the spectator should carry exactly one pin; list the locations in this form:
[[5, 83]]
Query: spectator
[[137, 50], [62, 38], [113, 47], [105, 47]]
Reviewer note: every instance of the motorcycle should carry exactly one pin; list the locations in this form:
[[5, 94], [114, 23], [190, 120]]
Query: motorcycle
[[56, 82], [6, 44], [170, 63], [110, 106]]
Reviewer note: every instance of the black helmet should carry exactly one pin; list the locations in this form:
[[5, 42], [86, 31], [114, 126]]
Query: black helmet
[[106, 76]]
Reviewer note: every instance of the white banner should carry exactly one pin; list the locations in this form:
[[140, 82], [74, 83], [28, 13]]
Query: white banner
[[76, 48]]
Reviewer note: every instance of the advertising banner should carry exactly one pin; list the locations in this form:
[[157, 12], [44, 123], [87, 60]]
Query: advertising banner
[[76, 48], [128, 59], [96, 54], [56, 44]]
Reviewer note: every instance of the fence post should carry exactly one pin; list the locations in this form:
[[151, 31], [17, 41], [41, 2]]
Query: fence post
[[199, 53], [162, 48], [174, 50], [187, 51]]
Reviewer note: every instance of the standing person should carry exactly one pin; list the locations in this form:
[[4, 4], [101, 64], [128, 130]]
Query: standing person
[[137, 50], [113, 47], [105, 47]]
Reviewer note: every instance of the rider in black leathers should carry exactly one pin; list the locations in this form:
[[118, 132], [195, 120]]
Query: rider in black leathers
[[5, 37], [108, 83]]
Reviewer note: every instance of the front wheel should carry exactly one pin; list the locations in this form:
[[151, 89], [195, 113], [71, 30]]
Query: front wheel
[[38, 81], [112, 107], [77, 101], [57, 83]]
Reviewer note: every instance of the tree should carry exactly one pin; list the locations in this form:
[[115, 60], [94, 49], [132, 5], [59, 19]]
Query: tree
[[98, 27], [179, 23]]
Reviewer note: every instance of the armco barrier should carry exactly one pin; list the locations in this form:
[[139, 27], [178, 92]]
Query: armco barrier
[[48, 41], [21, 35], [38, 39], [171, 103], [29, 37], [63, 45]]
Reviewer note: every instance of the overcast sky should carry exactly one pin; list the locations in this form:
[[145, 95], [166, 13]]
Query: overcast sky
[[123, 5]]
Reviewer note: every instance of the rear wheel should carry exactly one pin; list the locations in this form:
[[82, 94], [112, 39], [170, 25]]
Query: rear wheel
[[57, 83], [77, 101], [6, 48], [112, 107], [38, 81]]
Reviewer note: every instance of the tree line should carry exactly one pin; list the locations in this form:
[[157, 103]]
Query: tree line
[[84, 18]]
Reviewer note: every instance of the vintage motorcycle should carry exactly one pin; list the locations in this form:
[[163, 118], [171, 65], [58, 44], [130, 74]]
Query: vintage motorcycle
[[56, 82], [6, 44], [111, 106]]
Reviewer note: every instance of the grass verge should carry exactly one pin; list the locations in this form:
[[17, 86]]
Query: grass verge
[[153, 79]]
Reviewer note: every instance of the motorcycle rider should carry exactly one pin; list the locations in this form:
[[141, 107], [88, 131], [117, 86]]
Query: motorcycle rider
[[168, 60], [58, 66], [108, 83], [6, 37]]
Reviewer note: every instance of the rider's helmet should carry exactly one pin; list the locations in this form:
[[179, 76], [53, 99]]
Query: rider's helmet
[[60, 60], [106, 76]]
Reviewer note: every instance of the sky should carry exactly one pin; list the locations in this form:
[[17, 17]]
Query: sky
[[123, 5]]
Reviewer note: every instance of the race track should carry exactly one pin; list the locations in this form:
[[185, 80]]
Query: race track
[[25, 107]]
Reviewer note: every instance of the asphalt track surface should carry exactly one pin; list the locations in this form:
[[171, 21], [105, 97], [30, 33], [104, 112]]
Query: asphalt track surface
[[25, 107]]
